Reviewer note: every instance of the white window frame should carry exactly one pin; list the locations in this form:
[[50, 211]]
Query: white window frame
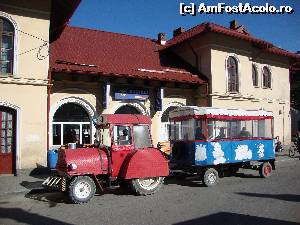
[[257, 73], [15, 44], [72, 123], [262, 77], [238, 73]]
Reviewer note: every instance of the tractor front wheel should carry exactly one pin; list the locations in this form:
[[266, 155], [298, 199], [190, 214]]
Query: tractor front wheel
[[146, 186], [81, 189]]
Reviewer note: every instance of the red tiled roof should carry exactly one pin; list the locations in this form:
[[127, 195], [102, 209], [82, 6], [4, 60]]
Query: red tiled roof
[[211, 27], [81, 50]]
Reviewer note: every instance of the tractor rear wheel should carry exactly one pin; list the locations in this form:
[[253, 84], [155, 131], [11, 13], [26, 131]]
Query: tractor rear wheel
[[146, 186], [81, 189]]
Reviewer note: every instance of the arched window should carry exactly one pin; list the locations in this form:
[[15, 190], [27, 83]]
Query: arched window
[[71, 123], [254, 76], [6, 46], [232, 70], [266, 77], [126, 109]]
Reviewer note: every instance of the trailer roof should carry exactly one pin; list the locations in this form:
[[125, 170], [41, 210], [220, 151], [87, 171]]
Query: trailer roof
[[203, 111], [123, 119]]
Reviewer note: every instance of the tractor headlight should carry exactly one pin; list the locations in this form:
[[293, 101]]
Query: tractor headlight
[[72, 166]]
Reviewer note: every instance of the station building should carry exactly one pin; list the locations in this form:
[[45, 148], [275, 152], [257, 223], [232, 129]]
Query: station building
[[49, 101], [96, 72]]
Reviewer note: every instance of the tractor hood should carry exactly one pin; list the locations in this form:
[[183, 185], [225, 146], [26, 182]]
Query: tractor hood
[[82, 161]]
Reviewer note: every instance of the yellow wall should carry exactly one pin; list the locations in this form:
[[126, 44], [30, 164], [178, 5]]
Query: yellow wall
[[212, 51], [26, 89], [276, 99]]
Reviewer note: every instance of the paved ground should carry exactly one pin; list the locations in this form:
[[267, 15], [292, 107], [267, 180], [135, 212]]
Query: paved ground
[[243, 199]]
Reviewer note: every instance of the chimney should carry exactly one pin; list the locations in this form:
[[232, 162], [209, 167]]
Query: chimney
[[162, 38], [178, 31], [234, 24]]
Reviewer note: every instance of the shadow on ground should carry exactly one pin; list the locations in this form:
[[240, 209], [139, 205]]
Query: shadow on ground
[[244, 175], [21, 216], [51, 197], [284, 197], [234, 219], [196, 180], [31, 185]]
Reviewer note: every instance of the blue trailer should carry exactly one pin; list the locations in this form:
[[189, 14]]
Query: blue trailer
[[209, 141]]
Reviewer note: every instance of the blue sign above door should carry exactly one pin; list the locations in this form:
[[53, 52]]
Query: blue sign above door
[[131, 94]]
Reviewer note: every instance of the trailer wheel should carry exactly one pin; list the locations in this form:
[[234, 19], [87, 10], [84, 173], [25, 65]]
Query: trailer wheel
[[81, 189], [146, 186], [124, 184], [210, 177], [265, 170], [233, 169]]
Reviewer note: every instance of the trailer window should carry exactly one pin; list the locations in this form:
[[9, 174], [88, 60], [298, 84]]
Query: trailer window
[[218, 129], [188, 129], [142, 137], [239, 129], [200, 131], [262, 128], [175, 130]]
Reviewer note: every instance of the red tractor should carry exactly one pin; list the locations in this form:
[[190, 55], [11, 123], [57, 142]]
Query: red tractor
[[125, 156]]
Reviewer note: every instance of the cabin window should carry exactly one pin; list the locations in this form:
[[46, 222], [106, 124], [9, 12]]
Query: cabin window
[[104, 136], [122, 135], [142, 137]]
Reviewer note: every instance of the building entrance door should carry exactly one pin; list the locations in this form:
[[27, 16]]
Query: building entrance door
[[7, 140]]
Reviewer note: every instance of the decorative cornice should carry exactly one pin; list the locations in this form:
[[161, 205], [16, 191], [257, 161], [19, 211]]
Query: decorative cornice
[[23, 81], [240, 97]]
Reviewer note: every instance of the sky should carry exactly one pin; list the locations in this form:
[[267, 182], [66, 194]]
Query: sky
[[147, 18]]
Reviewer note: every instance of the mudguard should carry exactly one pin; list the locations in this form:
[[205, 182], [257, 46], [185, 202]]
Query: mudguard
[[145, 163]]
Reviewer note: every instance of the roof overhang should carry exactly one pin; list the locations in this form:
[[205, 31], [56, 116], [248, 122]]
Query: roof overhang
[[61, 12]]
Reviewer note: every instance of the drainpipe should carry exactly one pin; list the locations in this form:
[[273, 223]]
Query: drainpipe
[[283, 124], [48, 103]]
